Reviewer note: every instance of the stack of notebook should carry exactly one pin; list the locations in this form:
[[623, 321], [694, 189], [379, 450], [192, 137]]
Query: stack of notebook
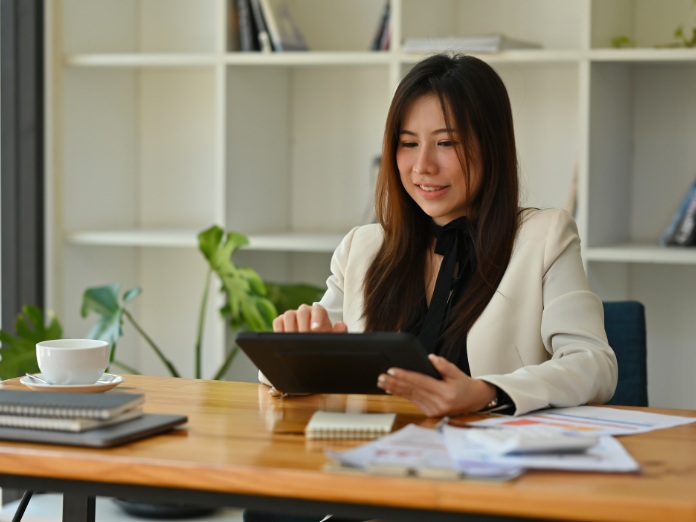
[[83, 419]]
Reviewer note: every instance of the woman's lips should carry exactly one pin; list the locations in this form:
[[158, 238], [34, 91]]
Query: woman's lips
[[430, 193]]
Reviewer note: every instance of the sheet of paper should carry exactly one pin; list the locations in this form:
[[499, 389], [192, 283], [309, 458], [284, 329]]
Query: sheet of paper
[[607, 456], [416, 448], [590, 420]]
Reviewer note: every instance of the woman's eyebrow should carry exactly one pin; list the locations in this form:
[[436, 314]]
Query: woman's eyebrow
[[438, 131]]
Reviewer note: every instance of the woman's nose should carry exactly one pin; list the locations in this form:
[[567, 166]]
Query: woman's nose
[[425, 163]]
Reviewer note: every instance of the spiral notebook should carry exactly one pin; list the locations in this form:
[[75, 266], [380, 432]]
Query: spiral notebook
[[101, 406], [63, 424], [335, 425]]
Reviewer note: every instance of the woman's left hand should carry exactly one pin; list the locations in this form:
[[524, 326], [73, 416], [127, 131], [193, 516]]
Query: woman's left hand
[[455, 394]]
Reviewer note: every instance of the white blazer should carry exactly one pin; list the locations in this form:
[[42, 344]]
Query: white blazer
[[541, 338]]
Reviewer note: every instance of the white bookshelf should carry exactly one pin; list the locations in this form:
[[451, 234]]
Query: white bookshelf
[[642, 253], [282, 242], [157, 131]]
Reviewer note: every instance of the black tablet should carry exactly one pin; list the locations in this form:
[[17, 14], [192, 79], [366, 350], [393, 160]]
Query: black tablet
[[333, 363]]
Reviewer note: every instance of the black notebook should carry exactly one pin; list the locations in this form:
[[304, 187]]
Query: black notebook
[[145, 426], [67, 405]]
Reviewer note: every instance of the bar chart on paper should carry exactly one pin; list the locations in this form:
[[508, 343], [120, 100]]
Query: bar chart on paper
[[591, 420]]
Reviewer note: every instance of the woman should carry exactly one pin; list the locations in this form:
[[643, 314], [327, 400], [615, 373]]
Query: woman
[[496, 294], [511, 315]]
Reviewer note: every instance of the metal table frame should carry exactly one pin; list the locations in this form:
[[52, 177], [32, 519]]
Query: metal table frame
[[79, 501]]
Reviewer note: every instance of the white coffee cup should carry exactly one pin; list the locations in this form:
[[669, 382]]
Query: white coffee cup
[[72, 361]]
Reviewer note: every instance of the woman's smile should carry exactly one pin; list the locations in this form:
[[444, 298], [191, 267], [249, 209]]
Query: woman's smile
[[429, 191]]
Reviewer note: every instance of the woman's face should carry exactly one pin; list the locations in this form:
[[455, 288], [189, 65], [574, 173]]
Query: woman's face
[[428, 163]]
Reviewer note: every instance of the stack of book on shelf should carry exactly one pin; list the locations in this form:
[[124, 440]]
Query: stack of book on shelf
[[264, 25], [492, 43], [67, 412], [681, 230], [383, 34]]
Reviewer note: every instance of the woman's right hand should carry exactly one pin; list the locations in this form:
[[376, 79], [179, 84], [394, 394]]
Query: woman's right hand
[[307, 319]]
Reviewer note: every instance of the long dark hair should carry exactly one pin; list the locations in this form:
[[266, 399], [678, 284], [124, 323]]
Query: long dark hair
[[474, 101]]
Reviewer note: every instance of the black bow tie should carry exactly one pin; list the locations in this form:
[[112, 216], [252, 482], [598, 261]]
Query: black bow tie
[[455, 242]]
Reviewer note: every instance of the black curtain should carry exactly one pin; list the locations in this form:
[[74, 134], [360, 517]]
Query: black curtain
[[22, 163]]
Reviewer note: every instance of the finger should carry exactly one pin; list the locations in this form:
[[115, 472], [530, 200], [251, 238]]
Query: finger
[[447, 369], [340, 327], [320, 319], [401, 388], [417, 379], [428, 402], [290, 321], [278, 325], [303, 315]]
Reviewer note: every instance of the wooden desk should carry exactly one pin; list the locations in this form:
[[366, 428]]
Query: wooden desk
[[244, 448]]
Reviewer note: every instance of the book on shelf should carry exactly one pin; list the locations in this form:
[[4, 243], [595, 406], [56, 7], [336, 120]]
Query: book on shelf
[[681, 226], [685, 233], [76, 425], [284, 33], [264, 39], [491, 43], [233, 36], [380, 42], [248, 40], [102, 406]]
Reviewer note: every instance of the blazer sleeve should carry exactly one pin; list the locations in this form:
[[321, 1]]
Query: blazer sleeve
[[582, 367], [334, 296]]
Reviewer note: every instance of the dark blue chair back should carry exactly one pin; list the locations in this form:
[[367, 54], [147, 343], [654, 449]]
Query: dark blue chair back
[[624, 322]]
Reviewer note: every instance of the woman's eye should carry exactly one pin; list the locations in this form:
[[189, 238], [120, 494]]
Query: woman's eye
[[445, 143], [408, 144]]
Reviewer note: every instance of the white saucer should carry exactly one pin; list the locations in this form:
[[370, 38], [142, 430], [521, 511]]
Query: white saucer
[[97, 387]]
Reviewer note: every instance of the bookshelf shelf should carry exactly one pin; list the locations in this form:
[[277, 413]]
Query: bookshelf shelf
[[256, 59], [315, 58], [141, 60], [187, 238], [642, 253], [522, 56], [643, 55], [318, 58]]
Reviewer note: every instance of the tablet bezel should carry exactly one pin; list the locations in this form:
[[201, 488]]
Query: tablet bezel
[[277, 355]]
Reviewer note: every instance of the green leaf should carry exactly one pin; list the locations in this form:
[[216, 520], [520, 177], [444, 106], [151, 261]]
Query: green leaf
[[622, 41], [252, 316], [254, 279], [209, 241], [100, 299], [131, 294], [103, 301], [232, 243], [268, 311], [291, 296], [18, 353]]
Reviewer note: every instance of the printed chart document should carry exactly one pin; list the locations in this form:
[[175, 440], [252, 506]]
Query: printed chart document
[[591, 420], [421, 451], [607, 456]]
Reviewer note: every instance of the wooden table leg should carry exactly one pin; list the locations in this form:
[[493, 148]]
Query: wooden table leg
[[78, 508]]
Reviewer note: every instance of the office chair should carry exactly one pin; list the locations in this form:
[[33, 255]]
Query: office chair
[[624, 322]]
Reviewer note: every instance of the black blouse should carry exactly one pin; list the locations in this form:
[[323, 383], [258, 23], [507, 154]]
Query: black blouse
[[456, 243]]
